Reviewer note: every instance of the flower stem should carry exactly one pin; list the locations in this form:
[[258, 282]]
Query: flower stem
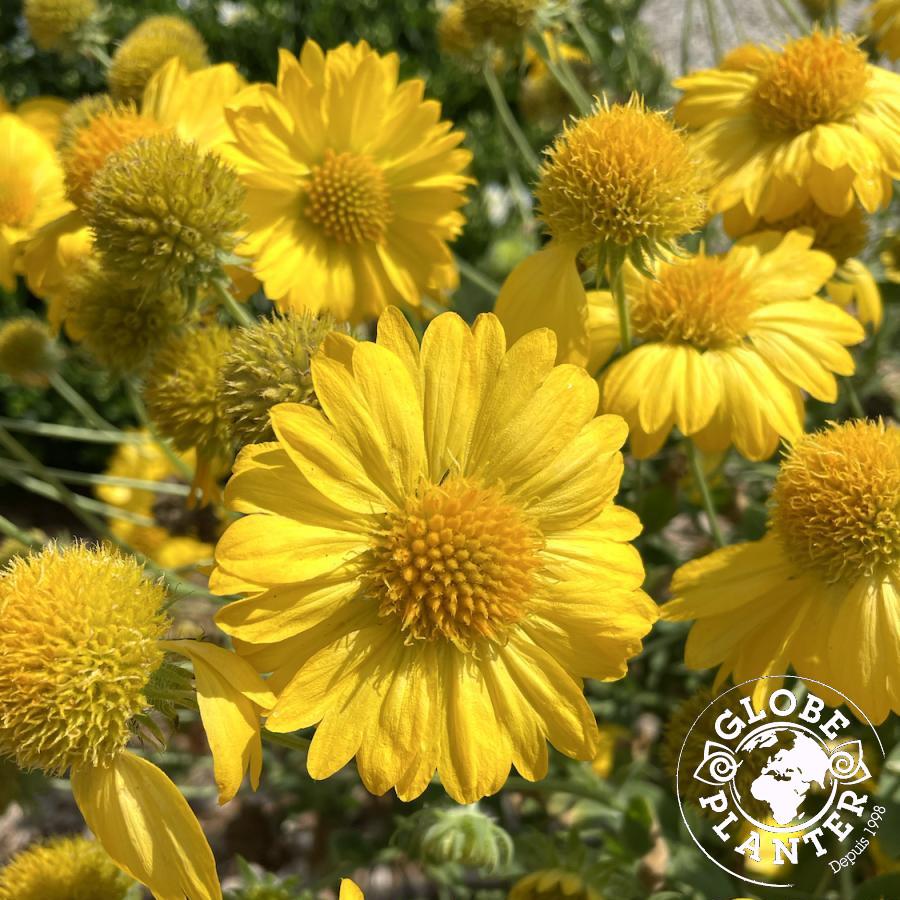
[[791, 11], [508, 119], [564, 75], [573, 17], [137, 404], [291, 741], [853, 400], [238, 312], [617, 285], [471, 274], [11, 530], [71, 432], [687, 28], [705, 493], [78, 403], [712, 24]]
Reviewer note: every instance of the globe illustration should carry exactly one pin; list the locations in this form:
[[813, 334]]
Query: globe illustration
[[784, 773]]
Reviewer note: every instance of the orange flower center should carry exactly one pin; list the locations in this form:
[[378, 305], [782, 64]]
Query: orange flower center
[[704, 301], [836, 503], [349, 199], [815, 79], [17, 201], [457, 563]]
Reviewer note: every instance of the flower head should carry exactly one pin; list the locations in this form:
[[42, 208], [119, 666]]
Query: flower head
[[818, 592], [836, 502], [92, 132], [269, 363], [165, 214], [54, 24], [27, 351], [548, 884], [79, 644], [69, 868], [500, 22], [119, 325], [426, 524], [727, 344], [623, 180], [460, 834], [184, 401], [148, 47], [453, 36], [808, 121], [365, 212]]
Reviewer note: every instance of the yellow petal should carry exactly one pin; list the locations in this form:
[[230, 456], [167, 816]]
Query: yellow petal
[[230, 695], [350, 891], [147, 828]]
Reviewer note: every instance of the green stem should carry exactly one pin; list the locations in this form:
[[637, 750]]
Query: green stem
[[856, 406], [791, 11], [705, 493], [471, 274], [71, 432], [584, 35], [617, 285], [713, 26], [687, 28], [137, 404], [563, 74], [508, 119], [291, 741], [11, 530], [238, 312], [139, 484], [78, 403]]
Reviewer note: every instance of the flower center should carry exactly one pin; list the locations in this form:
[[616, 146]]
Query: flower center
[[836, 503], [839, 236], [815, 79], [457, 563], [17, 201], [703, 301], [349, 199]]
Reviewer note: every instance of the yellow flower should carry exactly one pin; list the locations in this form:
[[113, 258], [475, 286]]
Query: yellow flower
[[69, 868], [350, 890], [453, 36], [842, 238], [31, 188], [352, 180], [150, 46], [619, 183], [436, 549], [885, 26], [27, 351], [54, 24], [500, 22], [80, 647], [728, 344], [820, 591], [43, 114], [552, 884], [810, 121], [179, 536]]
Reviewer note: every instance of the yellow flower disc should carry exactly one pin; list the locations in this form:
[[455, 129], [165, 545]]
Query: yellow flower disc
[[153, 43], [817, 78], [78, 646], [503, 22], [456, 563], [623, 175], [705, 301], [71, 868], [836, 502], [53, 22], [26, 350], [94, 135]]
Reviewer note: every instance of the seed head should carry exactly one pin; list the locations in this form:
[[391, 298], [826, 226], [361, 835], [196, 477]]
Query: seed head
[[54, 24], [79, 642], [147, 48], [501, 22], [28, 353]]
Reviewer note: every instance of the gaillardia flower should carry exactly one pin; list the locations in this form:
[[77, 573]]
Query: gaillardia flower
[[618, 184], [147, 48], [432, 562], [80, 647], [727, 345], [69, 868], [820, 591], [54, 24], [885, 26], [31, 188], [499, 22], [810, 121], [363, 206], [842, 238], [549, 884]]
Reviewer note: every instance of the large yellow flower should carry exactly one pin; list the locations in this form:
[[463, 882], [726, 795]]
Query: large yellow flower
[[353, 183], [729, 342], [812, 120], [31, 188], [433, 561], [821, 591]]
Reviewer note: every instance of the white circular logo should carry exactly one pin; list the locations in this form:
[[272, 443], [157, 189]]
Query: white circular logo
[[789, 781]]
